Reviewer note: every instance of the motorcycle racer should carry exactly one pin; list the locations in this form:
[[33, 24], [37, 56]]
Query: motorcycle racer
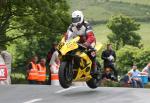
[[80, 27]]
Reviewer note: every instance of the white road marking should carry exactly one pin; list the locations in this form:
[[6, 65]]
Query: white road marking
[[33, 100], [64, 90]]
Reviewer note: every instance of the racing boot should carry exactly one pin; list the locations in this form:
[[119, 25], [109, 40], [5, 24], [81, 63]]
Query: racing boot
[[95, 68]]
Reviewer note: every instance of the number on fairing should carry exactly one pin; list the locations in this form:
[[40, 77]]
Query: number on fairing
[[71, 45]]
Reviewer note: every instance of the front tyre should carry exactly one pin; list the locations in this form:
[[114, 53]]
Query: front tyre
[[65, 74]]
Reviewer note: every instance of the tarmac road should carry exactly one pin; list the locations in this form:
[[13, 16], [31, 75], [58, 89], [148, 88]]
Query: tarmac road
[[76, 94]]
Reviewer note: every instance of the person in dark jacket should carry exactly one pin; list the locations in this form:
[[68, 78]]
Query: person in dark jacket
[[109, 57]]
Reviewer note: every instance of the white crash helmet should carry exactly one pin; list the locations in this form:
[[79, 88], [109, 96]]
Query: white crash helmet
[[77, 17]]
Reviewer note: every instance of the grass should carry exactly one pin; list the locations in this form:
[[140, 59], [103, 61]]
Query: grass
[[101, 32], [96, 11], [102, 11], [145, 32], [143, 2], [18, 76]]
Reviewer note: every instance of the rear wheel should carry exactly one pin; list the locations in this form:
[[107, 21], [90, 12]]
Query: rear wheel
[[95, 81], [65, 74], [92, 83]]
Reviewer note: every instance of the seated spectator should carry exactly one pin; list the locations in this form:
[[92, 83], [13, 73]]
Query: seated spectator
[[146, 71], [124, 81], [107, 75], [134, 77]]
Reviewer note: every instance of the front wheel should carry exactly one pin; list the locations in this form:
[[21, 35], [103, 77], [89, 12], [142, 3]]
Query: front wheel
[[65, 74]]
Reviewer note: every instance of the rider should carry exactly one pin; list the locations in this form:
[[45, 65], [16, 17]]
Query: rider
[[80, 27]]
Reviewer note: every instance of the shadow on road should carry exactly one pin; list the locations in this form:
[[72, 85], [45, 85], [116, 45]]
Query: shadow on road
[[80, 93]]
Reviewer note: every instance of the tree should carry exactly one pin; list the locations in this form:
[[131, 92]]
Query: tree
[[142, 58], [129, 55], [29, 26], [126, 58], [123, 31], [25, 18]]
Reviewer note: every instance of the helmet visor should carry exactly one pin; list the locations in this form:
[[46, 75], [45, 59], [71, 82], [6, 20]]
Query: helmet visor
[[76, 19]]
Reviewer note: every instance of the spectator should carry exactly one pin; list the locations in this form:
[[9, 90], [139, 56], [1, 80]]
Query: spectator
[[134, 77], [125, 80], [52, 50], [109, 57], [42, 71], [146, 71], [32, 71], [107, 75], [8, 61], [54, 63], [49, 56]]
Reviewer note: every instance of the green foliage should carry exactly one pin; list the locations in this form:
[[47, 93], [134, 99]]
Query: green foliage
[[32, 25], [32, 17], [18, 76], [33, 46], [109, 83], [126, 58], [142, 58], [129, 55], [123, 31]]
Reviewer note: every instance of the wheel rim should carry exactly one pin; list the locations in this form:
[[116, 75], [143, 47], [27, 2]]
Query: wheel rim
[[68, 73]]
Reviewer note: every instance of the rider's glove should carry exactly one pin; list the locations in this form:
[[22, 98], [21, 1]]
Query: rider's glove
[[86, 44]]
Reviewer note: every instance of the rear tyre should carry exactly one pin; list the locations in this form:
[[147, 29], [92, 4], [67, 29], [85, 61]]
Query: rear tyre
[[95, 81], [65, 74]]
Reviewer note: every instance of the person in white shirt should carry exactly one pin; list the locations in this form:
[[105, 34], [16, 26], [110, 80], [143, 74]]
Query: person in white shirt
[[134, 77], [54, 62]]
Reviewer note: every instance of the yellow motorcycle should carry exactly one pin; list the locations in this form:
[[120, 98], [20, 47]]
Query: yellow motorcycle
[[76, 64]]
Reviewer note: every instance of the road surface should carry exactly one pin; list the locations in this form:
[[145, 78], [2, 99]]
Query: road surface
[[76, 94]]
